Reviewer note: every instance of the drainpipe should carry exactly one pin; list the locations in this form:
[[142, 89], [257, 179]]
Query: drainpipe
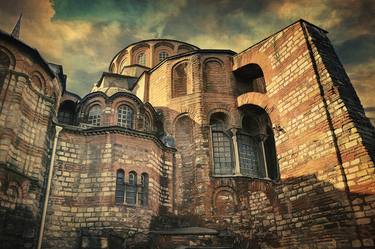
[[52, 163]]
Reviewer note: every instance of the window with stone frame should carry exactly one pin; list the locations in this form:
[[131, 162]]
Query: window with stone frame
[[141, 59], [125, 116], [222, 149], [143, 193], [120, 186], [94, 115], [249, 149], [162, 55], [256, 144], [131, 189]]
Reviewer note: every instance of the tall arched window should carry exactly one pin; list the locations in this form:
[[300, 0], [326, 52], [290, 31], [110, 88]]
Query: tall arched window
[[141, 59], [256, 144], [120, 186], [94, 115], [162, 55], [125, 116], [179, 81], [221, 145], [143, 194], [131, 190], [147, 126], [249, 147]]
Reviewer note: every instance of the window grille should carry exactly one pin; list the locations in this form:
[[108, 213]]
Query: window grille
[[143, 194], [222, 149], [141, 59], [131, 190], [94, 115], [125, 116], [120, 187], [162, 55], [249, 152]]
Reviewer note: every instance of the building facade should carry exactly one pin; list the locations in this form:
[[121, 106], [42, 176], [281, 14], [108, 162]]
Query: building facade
[[182, 147]]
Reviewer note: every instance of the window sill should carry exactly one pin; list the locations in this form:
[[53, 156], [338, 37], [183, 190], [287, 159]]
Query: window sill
[[244, 176], [131, 205]]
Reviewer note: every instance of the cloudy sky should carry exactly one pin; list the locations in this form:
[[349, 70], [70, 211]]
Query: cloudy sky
[[84, 35]]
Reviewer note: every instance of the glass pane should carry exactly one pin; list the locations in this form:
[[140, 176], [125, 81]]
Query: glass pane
[[249, 152], [94, 115], [222, 152], [120, 187], [125, 116]]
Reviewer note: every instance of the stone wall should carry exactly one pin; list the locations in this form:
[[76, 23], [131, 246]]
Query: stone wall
[[26, 111], [83, 190]]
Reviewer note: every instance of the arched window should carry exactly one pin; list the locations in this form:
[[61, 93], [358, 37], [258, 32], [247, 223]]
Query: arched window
[[66, 112], [147, 123], [131, 190], [179, 82], [120, 186], [143, 194], [125, 116], [163, 55], [256, 144], [250, 78], [94, 115], [249, 148], [221, 145], [141, 59]]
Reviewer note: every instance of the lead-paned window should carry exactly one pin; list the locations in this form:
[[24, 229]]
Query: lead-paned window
[[143, 194], [162, 55], [120, 187], [141, 59], [249, 153], [131, 190], [222, 149], [94, 115], [125, 116]]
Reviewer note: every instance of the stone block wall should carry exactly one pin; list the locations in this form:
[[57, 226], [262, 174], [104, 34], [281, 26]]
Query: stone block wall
[[26, 111], [84, 183]]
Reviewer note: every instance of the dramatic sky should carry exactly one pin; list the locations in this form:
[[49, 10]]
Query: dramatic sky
[[84, 35]]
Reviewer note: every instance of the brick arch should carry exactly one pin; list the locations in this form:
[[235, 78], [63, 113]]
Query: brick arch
[[180, 79], [39, 83], [10, 56], [250, 57], [221, 207], [261, 100], [214, 75]]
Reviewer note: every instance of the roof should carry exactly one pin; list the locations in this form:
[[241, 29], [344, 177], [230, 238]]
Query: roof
[[33, 53], [149, 40]]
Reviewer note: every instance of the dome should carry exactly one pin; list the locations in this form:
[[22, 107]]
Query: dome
[[143, 55]]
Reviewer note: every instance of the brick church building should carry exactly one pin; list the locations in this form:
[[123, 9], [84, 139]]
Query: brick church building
[[182, 147]]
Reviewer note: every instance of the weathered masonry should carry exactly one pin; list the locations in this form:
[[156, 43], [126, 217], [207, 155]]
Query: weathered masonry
[[182, 147]]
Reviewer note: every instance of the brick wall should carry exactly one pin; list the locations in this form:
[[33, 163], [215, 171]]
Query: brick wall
[[84, 182], [26, 111]]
